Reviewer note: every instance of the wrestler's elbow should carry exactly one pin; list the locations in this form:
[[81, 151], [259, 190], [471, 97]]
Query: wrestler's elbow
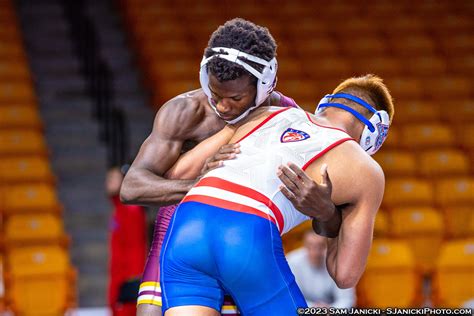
[[346, 280], [128, 195]]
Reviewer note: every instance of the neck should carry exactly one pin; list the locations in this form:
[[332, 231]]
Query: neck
[[341, 119]]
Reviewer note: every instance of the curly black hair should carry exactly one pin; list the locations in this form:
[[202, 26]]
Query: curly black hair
[[242, 35]]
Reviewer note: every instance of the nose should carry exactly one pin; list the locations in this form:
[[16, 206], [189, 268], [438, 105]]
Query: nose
[[223, 106]]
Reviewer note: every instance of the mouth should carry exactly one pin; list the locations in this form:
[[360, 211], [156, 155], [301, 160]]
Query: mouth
[[227, 117]]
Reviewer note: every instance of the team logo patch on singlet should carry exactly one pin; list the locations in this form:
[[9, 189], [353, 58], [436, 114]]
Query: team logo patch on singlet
[[293, 135]]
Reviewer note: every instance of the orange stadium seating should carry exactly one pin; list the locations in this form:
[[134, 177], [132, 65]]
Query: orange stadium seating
[[21, 142], [459, 221], [422, 229], [437, 163], [33, 274], [407, 191], [25, 170], [455, 191], [390, 278], [397, 162], [427, 135], [454, 271], [37, 229], [30, 198], [16, 117]]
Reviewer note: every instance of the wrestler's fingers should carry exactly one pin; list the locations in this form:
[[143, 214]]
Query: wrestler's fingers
[[299, 172], [291, 176], [213, 165], [227, 156], [230, 148], [287, 181], [287, 193]]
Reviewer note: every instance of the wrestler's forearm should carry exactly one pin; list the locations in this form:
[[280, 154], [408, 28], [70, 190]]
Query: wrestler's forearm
[[143, 187]]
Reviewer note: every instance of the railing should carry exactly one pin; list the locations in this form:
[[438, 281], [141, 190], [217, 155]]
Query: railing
[[113, 129]]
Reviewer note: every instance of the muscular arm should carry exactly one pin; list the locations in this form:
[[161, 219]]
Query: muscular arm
[[144, 183], [190, 164], [358, 183]]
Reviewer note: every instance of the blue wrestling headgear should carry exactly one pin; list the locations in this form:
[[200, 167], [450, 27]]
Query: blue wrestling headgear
[[376, 128], [266, 78]]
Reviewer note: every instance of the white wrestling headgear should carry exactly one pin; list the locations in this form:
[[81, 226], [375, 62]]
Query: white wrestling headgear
[[376, 128], [266, 78]]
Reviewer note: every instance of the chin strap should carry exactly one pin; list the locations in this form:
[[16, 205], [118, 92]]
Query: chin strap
[[237, 119]]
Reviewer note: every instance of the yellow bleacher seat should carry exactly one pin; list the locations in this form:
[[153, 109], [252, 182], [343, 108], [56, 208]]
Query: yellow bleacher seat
[[405, 88], [462, 65], [30, 198], [19, 117], [407, 191], [307, 28], [315, 46], [459, 221], [298, 89], [174, 69], [39, 280], [449, 162], [381, 226], [365, 46], [18, 91], [426, 66], [332, 67], [464, 111], [453, 284], [11, 51], [380, 65], [25, 170], [14, 70], [412, 45], [390, 278], [422, 229], [33, 229], [457, 44], [393, 139], [417, 111], [170, 89], [396, 162], [427, 135], [21, 142], [352, 26], [407, 25], [448, 87], [289, 68], [454, 191]]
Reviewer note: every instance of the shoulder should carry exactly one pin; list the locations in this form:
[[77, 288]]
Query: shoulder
[[357, 171], [182, 113], [356, 162]]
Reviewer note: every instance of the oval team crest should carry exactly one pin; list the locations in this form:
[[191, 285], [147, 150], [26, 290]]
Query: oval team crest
[[293, 135]]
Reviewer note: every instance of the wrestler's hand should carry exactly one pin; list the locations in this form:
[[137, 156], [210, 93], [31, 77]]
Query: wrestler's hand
[[310, 198], [226, 152]]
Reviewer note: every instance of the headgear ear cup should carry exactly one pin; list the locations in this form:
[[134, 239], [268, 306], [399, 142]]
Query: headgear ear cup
[[372, 141], [266, 79], [376, 128]]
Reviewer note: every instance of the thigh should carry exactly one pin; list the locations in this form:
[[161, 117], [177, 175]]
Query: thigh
[[150, 290], [187, 261], [148, 310], [254, 268]]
